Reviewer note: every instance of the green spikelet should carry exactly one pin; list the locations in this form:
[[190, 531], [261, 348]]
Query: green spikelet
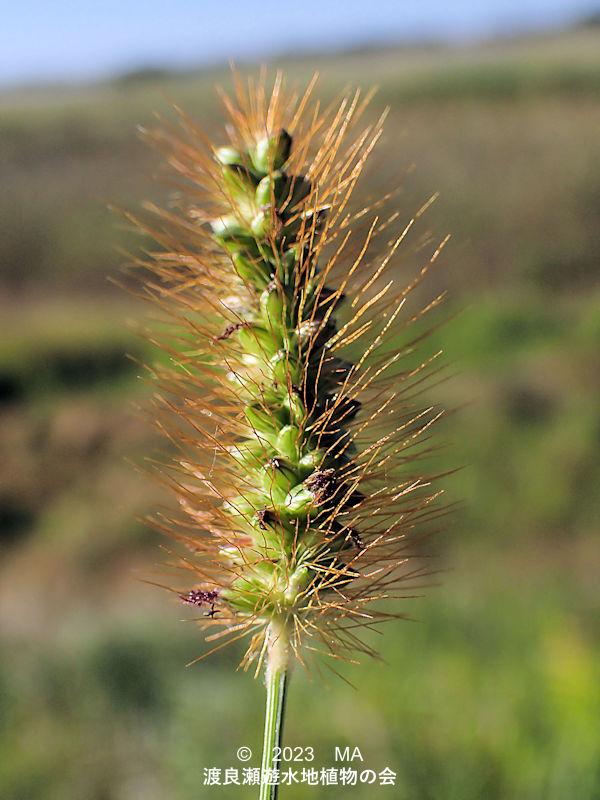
[[288, 397]]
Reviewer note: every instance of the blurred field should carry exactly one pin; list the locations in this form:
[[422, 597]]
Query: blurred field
[[494, 692]]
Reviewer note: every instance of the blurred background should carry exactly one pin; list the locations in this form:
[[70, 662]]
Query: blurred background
[[493, 692]]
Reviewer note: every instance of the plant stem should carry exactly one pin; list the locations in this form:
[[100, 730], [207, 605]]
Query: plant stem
[[276, 682]]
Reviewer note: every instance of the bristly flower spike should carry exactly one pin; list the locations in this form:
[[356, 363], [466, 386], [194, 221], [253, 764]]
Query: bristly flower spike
[[288, 399]]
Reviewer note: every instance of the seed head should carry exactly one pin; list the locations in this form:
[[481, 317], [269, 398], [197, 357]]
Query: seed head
[[288, 397]]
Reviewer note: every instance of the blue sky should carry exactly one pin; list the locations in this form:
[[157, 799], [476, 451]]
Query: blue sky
[[48, 40]]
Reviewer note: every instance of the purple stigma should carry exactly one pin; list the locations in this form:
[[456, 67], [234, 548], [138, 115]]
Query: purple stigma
[[322, 484], [356, 538], [196, 597]]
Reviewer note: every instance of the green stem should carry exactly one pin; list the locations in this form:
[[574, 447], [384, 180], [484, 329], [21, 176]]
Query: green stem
[[276, 680]]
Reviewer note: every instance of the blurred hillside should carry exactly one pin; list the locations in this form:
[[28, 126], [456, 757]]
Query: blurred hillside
[[494, 694]]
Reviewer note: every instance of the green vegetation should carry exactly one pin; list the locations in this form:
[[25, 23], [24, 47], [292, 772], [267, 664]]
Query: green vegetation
[[493, 694]]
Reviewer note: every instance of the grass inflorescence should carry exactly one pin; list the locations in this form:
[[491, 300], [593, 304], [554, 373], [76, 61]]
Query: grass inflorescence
[[293, 390]]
